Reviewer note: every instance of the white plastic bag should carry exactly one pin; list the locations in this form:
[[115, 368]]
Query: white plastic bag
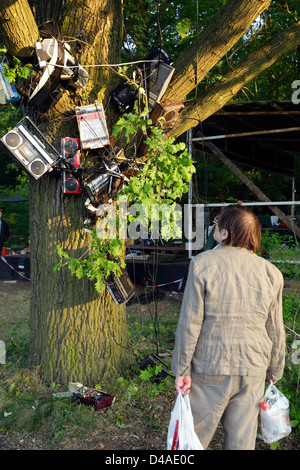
[[274, 415], [181, 433]]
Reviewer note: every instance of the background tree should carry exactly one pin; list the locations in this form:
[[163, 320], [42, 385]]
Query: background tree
[[76, 333]]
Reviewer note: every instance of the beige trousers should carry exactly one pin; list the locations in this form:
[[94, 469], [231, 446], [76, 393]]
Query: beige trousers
[[233, 400]]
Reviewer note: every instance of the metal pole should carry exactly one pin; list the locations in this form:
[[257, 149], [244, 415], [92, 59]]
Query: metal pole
[[281, 203], [244, 134], [190, 214], [293, 198]]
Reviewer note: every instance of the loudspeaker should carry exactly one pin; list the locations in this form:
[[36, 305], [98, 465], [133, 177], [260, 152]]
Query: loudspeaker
[[170, 111], [71, 153], [157, 74], [30, 149], [120, 288], [124, 96]]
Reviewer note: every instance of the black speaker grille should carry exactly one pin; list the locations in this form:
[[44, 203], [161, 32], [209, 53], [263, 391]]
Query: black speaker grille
[[71, 184]]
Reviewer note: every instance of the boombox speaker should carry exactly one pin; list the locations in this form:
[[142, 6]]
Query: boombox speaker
[[30, 149], [71, 153]]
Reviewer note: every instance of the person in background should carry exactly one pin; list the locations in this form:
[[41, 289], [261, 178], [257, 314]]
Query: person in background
[[4, 232], [230, 335]]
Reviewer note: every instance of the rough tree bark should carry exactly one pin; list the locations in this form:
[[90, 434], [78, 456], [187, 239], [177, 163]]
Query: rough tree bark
[[217, 38], [221, 92]]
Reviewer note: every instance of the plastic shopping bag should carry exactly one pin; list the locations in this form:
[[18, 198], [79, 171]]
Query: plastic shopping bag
[[274, 415], [181, 433]]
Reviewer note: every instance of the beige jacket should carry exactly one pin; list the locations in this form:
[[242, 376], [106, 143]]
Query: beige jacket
[[231, 316]]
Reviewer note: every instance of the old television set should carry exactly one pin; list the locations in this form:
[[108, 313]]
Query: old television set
[[70, 150], [30, 149]]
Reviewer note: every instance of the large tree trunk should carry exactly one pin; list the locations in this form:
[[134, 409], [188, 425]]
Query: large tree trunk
[[70, 330], [19, 41], [76, 334]]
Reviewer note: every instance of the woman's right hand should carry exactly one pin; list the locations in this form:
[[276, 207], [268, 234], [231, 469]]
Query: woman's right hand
[[183, 384]]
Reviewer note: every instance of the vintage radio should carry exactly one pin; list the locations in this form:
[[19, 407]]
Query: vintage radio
[[120, 288], [157, 74], [70, 150], [124, 96], [30, 149], [42, 88], [9, 91], [92, 126], [170, 111], [159, 79], [99, 185]]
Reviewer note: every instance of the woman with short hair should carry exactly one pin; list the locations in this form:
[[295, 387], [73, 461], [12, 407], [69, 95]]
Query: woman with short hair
[[230, 336]]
